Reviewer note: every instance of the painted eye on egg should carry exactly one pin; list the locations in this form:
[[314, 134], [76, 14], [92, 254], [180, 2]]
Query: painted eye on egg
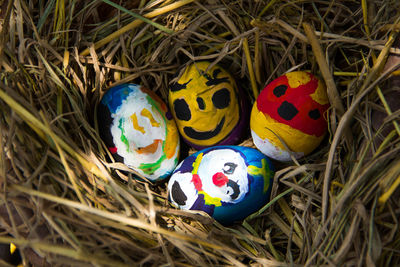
[[221, 99], [229, 167], [200, 103], [182, 110]]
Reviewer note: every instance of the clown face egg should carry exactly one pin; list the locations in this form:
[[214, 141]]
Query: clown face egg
[[207, 107], [139, 131], [227, 182], [291, 108]]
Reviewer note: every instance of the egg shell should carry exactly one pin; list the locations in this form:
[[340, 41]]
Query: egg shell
[[291, 108], [208, 107], [139, 131], [227, 182]]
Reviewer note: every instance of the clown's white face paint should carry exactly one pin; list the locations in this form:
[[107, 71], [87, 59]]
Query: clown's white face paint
[[223, 174], [220, 175]]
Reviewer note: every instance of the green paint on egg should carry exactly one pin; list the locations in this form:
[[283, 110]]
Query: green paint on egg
[[123, 137], [150, 168]]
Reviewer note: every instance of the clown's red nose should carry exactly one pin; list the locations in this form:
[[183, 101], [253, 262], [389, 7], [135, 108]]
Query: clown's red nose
[[219, 179]]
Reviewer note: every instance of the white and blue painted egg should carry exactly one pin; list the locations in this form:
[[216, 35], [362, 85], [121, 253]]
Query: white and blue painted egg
[[227, 182], [139, 130]]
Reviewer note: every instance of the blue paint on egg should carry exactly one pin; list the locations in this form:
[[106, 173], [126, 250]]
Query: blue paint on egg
[[227, 182], [114, 98]]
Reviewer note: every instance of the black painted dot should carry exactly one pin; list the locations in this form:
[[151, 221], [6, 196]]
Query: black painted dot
[[287, 111], [182, 110], [221, 98], [314, 114], [200, 103], [177, 194], [280, 90]]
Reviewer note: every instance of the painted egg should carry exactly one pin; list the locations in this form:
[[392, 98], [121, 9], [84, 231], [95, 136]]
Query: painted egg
[[207, 106], [139, 131], [291, 108], [227, 182]]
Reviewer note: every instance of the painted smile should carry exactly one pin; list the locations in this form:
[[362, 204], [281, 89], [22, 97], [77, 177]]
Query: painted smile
[[192, 133], [235, 189]]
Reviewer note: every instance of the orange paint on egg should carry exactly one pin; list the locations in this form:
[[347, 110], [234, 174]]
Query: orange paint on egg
[[172, 139], [150, 149]]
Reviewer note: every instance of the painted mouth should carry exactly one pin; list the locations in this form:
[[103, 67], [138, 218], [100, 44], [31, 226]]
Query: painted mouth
[[198, 135], [235, 189], [150, 149]]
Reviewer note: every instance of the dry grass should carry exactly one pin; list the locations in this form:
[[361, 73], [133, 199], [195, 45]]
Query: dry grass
[[65, 203]]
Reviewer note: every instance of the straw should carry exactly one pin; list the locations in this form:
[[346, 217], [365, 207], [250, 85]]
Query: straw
[[66, 201]]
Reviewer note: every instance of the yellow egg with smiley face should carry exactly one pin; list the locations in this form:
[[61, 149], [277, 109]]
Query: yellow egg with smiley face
[[206, 106]]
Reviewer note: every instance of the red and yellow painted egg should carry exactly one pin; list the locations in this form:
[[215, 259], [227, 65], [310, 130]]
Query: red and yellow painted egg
[[207, 106], [292, 109], [139, 130]]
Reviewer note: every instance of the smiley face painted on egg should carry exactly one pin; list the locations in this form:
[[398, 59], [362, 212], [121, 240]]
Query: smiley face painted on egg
[[206, 107], [227, 182], [291, 108], [139, 131]]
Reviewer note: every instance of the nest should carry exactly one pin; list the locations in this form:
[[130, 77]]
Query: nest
[[65, 202]]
